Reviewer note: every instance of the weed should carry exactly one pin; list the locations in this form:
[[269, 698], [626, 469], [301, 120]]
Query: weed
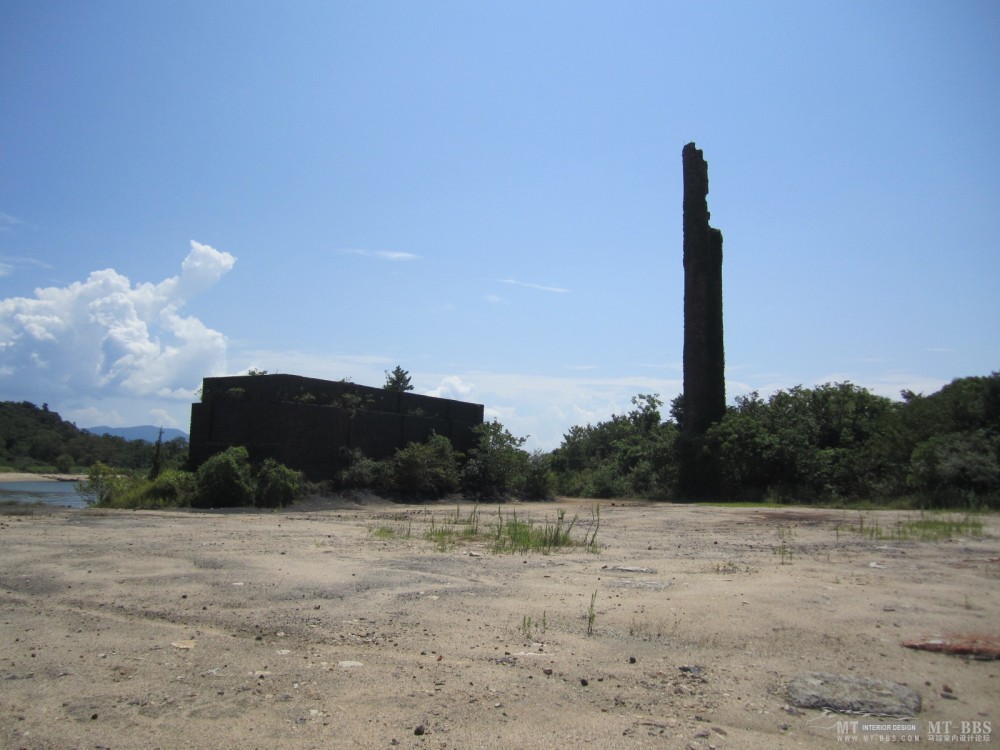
[[651, 631], [591, 614], [784, 550], [932, 528], [530, 627], [393, 532], [927, 527], [595, 524], [512, 534]]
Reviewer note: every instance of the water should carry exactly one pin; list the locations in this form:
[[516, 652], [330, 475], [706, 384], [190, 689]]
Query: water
[[49, 493]]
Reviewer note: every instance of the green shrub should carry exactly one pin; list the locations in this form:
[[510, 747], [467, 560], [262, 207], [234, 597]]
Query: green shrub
[[426, 469], [277, 485], [225, 480], [363, 473], [173, 487], [102, 485], [538, 479], [497, 464]]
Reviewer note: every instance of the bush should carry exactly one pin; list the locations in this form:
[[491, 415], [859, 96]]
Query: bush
[[426, 469], [277, 485], [102, 484], [363, 473], [538, 478], [497, 465], [225, 480], [172, 487]]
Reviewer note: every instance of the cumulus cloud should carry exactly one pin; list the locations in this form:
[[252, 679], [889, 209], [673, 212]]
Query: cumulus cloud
[[452, 386], [105, 336]]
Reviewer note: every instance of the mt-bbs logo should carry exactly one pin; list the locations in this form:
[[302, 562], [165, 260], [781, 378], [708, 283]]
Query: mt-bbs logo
[[959, 731]]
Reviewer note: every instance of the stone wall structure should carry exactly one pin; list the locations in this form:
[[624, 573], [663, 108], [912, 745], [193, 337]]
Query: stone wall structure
[[310, 424], [704, 355]]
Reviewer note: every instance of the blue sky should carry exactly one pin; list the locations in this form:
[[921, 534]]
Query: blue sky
[[489, 194]]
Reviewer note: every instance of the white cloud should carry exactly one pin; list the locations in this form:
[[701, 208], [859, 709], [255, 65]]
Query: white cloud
[[528, 285], [381, 254], [162, 418], [92, 417], [452, 386], [104, 337]]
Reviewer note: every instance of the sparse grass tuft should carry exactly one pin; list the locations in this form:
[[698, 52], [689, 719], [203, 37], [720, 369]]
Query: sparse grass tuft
[[592, 613], [927, 527], [508, 533], [530, 627]]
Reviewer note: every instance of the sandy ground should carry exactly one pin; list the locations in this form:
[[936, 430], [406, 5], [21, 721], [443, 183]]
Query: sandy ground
[[306, 628]]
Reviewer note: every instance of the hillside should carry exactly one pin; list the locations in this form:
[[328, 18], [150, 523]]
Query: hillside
[[36, 439]]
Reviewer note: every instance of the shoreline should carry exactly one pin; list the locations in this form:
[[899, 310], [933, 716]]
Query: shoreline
[[23, 476]]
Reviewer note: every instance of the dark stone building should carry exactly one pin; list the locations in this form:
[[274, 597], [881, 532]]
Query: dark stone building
[[310, 424], [704, 401]]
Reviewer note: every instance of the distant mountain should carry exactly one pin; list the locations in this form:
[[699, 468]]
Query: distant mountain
[[146, 432]]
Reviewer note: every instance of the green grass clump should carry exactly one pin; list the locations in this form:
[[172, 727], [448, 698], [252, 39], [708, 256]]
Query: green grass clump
[[514, 535], [928, 527], [933, 529], [508, 533], [172, 489]]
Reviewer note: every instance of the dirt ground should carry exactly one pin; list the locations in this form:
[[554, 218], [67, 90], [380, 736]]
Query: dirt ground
[[337, 624]]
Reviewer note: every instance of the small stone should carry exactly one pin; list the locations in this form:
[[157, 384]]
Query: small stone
[[419, 730], [947, 688], [584, 681], [631, 660], [949, 696], [547, 671]]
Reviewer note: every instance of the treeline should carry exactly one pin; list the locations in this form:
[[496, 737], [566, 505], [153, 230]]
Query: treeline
[[833, 443], [496, 468], [34, 439]]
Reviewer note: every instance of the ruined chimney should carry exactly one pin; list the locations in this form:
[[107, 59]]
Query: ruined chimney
[[704, 401]]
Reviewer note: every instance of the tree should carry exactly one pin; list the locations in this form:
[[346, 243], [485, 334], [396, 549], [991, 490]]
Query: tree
[[277, 485], [157, 466], [630, 454], [226, 480], [397, 380], [497, 464], [426, 470], [805, 443]]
